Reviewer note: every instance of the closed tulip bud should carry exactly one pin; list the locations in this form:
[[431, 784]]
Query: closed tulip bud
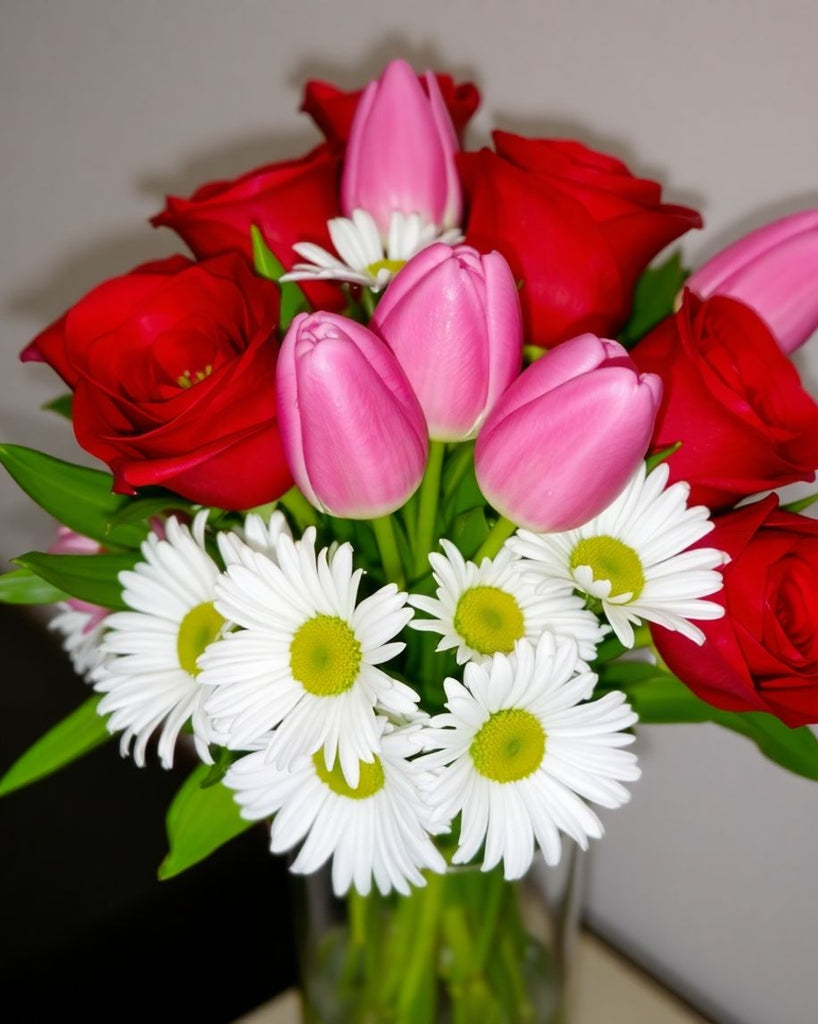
[[400, 154], [774, 271], [566, 437], [452, 317], [352, 428]]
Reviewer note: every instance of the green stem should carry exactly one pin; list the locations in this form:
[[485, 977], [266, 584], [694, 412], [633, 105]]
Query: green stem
[[457, 466], [498, 535], [427, 511], [384, 531], [422, 959], [368, 302], [299, 508]]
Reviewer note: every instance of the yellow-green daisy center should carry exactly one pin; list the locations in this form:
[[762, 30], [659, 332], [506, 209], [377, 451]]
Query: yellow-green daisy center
[[325, 656], [489, 620], [509, 746], [198, 628], [393, 266], [370, 781], [612, 560]]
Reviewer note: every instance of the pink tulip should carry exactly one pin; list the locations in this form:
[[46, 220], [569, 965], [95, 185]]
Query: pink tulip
[[352, 429], [400, 154], [452, 317], [566, 437], [774, 271]]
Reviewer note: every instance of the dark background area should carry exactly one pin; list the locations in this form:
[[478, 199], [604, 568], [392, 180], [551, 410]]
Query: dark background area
[[86, 930]]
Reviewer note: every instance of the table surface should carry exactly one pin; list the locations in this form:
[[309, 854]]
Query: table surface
[[608, 989]]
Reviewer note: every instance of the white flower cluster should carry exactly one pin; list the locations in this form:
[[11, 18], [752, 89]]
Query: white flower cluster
[[275, 656]]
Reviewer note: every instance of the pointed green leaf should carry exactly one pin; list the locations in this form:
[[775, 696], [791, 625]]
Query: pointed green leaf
[[79, 497], [654, 296], [198, 822], [63, 405], [293, 300], [801, 504], [22, 586], [662, 698], [92, 578], [81, 732], [652, 461], [140, 510]]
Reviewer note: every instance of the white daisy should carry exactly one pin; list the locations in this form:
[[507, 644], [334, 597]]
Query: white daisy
[[365, 258], [633, 560], [305, 661], [376, 830], [522, 753], [81, 626], [484, 610], [150, 675], [254, 535]]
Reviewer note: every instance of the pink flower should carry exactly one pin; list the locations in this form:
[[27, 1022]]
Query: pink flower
[[353, 431], [565, 438], [774, 271], [400, 154], [69, 542], [452, 317]]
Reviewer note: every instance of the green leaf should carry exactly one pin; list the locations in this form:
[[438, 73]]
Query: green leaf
[[654, 296], [293, 300], [79, 497], [22, 586], [469, 530], [63, 405], [662, 698], [801, 504], [652, 461], [81, 732], [198, 822], [92, 578], [139, 510]]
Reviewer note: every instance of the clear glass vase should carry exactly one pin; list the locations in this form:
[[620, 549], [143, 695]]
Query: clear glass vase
[[468, 947]]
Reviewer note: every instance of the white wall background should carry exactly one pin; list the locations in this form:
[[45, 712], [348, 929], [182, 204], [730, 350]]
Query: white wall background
[[708, 877]]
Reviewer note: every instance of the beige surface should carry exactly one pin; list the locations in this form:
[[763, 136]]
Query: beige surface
[[608, 990]]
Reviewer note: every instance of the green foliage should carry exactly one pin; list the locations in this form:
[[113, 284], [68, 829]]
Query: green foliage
[[79, 497], [653, 298], [81, 732], [62, 405], [660, 698], [293, 300], [201, 818], [22, 586], [93, 578]]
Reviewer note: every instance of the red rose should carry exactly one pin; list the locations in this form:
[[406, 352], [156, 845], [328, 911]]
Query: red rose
[[332, 109], [577, 228], [173, 372], [288, 202], [732, 398], [763, 655]]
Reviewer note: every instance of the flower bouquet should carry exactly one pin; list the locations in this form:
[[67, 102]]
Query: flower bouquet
[[424, 488]]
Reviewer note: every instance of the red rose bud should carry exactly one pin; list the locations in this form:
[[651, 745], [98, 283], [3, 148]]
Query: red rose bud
[[172, 368], [763, 654], [289, 202], [567, 436], [774, 271], [452, 318], [352, 428], [400, 154], [732, 398], [575, 225]]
